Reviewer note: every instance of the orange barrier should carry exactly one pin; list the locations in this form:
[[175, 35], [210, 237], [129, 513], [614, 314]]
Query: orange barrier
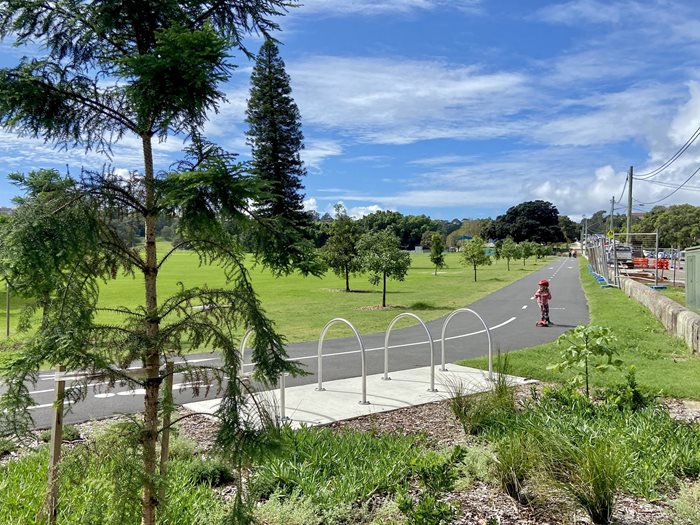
[[640, 262], [661, 264]]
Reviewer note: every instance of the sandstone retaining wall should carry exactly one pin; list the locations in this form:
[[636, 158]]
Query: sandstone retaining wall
[[677, 319]]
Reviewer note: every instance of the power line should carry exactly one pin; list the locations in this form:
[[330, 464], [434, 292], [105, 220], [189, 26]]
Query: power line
[[674, 191], [624, 189], [673, 158], [672, 185]]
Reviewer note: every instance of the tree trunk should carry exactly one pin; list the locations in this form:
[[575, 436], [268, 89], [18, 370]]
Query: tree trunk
[[508, 263], [474, 272], [436, 267], [347, 280], [152, 356], [384, 293]]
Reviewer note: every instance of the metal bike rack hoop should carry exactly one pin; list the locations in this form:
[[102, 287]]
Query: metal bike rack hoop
[[362, 356], [488, 335], [282, 381], [430, 341]]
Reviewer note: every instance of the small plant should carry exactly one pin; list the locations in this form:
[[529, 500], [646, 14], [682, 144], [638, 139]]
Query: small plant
[[493, 409], [686, 508], [427, 510], [7, 446], [591, 473], [628, 396], [581, 346], [70, 433], [281, 509], [515, 459], [210, 472]]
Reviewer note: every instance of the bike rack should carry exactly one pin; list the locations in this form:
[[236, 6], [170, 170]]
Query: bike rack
[[488, 335], [282, 382], [430, 340], [362, 356]]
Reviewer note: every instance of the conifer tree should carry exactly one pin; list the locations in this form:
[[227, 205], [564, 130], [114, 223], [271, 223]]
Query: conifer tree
[[148, 70], [275, 136]]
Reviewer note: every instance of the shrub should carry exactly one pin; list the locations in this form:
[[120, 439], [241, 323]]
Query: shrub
[[7, 446], [212, 472], [515, 459], [482, 412], [628, 396], [477, 464], [181, 447], [337, 468], [427, 510], [591, 473], [281, 509], [70, 433]]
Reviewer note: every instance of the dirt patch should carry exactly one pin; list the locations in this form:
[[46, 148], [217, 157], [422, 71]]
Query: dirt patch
[[380, 307]]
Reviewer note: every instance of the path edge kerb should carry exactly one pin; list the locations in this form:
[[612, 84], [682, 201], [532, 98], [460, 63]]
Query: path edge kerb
[[676, 318]]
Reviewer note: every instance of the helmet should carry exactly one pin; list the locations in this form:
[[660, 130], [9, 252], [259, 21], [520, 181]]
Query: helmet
[[543, 282]]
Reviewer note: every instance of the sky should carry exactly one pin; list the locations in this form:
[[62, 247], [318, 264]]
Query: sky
[[463, 108]]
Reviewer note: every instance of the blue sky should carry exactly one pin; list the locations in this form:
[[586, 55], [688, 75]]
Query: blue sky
[[464, 108]]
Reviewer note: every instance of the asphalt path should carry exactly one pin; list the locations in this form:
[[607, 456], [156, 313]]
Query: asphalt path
[[510, 314]]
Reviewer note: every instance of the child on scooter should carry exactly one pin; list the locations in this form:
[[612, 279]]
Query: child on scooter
[[543, 296]]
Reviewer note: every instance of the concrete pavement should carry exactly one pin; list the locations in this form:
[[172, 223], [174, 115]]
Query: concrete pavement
[[342, 398]]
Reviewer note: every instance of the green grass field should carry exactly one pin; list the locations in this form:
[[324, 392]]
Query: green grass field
[[664, 362], [301, 306]]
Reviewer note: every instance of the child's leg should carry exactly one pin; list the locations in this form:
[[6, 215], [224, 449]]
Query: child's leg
[[545, 312], [542, 312]]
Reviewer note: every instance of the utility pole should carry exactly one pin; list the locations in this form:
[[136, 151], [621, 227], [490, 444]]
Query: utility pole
[[612, 211], [630, 176]]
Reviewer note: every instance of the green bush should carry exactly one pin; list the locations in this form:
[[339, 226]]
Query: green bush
[[591, 473], [7, 446], [282, 509], [337, 468], [494, 409], [515, 459], [478, 464], [181, 447], [211, 472], [628, 396], [100, 485], [427, 510], [70, 433]]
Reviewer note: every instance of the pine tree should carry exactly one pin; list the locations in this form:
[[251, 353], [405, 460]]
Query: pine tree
[[147, 70], [275, 136]]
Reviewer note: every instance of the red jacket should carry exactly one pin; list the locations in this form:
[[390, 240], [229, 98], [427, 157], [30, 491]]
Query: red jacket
[[543, 296]]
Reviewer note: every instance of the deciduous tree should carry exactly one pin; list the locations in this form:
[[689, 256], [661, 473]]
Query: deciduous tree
[[437, 248], [382, 257], [474, 254], [340, 251], [509, 251]]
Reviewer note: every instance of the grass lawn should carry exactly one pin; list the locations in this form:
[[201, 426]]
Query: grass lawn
[[664, 363], [676, 293], [301, 306]]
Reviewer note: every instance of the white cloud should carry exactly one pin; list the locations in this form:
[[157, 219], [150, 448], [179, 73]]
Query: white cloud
[[310, 204], [374, 7], [591, 11], [398, 101], [316, 151], [358, 212]]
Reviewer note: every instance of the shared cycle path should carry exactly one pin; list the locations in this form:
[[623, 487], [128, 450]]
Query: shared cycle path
[[510, 314]]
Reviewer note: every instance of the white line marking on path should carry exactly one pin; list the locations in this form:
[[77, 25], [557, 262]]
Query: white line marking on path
[[41, 391], [523, 308], [406, 344]]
